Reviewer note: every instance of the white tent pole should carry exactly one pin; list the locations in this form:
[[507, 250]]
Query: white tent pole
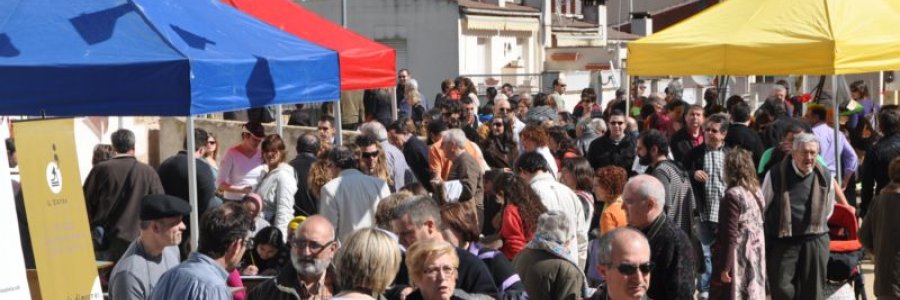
[[837, 126], [192, 183], [279, 118], [338, 124], [880, 89], [394, 103]]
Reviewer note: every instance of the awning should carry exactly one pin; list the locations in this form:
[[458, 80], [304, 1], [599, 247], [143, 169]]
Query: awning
[[364, 63], [775, 37], [475, 22]]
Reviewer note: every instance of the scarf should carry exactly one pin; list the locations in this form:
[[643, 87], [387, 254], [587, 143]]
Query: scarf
[[542, 241]]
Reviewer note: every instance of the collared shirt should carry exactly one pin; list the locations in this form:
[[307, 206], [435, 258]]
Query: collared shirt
[[198, 278], [137, 273], [825, 136], [320, 290], [714, 189], [768, 191]]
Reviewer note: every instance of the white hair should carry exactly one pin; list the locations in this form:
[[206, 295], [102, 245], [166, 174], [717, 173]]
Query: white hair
[[646, 186], [779, 88], [554, 225], [606, 241], [804, 138], [375, 130], [413, 83], [454, 137]]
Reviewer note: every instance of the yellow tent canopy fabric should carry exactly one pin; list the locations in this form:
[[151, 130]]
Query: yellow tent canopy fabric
[[775, 37]]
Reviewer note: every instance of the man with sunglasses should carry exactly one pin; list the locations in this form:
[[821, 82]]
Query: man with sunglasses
[[559, 92], [311, 274], [615, 148], [624, 261], [503, 108], [349, 200], [224, 237], [670, 248], [706, 166]]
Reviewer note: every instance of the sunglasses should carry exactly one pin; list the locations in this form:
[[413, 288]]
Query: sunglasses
[[631, 269], [498, 124], [211, 142], [314, 246], [710, 130], [504, 109], [372, 154], [616, 123]]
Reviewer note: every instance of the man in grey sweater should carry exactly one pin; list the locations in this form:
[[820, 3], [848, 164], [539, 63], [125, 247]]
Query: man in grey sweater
[[154, 252]]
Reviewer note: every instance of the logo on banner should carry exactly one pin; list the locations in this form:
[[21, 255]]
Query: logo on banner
[[53, 175]]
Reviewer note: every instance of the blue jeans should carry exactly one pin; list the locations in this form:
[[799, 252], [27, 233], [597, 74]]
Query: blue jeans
[[707, 237]]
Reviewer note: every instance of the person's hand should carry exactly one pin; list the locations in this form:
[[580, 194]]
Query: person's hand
[[405, 292], [251, 270], [725, 278], [701, 176]]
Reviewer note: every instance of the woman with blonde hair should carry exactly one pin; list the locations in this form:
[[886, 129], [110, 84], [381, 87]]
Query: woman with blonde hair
[[372, 159], [432, 266], [367, 264], [739, 253], [319, 174]]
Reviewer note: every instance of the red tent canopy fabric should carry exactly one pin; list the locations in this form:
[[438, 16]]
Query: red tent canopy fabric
[[364, 63]]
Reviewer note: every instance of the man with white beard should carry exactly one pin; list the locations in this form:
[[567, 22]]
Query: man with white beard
[[311, 274]]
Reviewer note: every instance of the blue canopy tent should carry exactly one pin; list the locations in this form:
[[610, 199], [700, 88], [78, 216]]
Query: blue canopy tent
[[152, 58]]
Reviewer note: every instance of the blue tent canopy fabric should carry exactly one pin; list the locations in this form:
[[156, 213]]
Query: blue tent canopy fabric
[[152, 58]]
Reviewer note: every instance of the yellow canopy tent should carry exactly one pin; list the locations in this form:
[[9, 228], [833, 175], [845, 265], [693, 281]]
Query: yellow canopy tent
[[775, 37]]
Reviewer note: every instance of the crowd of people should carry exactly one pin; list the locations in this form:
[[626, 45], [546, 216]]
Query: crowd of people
[[510, 197]]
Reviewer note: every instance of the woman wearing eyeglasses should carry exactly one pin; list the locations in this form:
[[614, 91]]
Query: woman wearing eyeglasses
[[544, 265], [432, 266], [277, 184], [500, 150], [739, 255]]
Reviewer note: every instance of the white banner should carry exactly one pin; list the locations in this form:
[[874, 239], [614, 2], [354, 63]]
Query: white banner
[[13, 282]]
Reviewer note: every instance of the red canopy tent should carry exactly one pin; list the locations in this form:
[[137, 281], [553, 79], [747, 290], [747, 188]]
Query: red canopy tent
[[364, 63]]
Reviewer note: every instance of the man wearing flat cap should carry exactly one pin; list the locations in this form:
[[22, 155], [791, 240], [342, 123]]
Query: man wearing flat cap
[[154, 252]]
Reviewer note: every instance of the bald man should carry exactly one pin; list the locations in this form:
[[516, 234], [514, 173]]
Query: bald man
[[624, 261], [310, 274], [671, 250]]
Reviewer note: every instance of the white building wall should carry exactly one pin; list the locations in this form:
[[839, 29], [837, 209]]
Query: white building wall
[[430, 29]]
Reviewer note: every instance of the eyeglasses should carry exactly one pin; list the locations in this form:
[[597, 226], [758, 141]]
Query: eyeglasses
[[313, 246], [372, 154], [711, 130], [631, 269], [445, 270]]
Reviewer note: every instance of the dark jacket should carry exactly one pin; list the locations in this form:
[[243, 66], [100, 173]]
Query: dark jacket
[[671, 251], [879, 235], [508, 282], [286, 285], [103, 186], [874, 173], [681, 145], [693, 163], [603, 152], [304, 203], [739, 135], [416, 153], [547, 276], [498, 154], [173, 174]]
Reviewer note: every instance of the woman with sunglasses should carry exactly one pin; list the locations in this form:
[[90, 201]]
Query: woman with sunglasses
[[739, 253], [500, 150], [212, 154], [544, 265], [588, 104], [277, 184]]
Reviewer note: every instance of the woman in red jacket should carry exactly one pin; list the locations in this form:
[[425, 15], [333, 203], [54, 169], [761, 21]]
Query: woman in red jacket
[[521, 209]]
